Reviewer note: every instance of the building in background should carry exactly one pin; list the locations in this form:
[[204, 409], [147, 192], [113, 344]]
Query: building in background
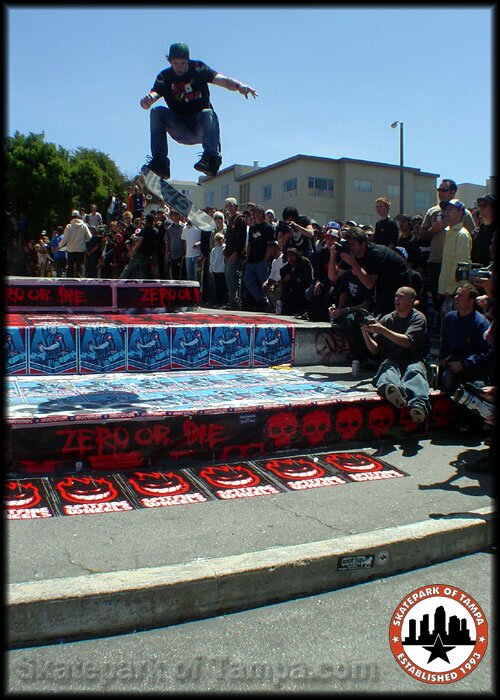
[[324, 189]]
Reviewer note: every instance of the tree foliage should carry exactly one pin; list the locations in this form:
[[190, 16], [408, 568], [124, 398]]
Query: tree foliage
[[45, 182]]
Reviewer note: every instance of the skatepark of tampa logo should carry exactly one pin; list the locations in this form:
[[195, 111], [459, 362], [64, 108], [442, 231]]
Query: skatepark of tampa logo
[[438, 634]]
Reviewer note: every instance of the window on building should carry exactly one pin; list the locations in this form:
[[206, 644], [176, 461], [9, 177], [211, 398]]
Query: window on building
[[267, 192], [224, 192], [320, 187], [209, 199], [290, 188], [363, 185], [393, 190], [244, 195], [422, 200]]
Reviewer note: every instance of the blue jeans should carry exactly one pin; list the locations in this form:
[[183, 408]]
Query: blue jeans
[[254, 277], [200, 127], [410, 378], [192, 268]]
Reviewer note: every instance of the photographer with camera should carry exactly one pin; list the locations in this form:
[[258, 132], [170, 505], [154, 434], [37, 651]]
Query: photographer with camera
[[377, 267], [354, 304], [400, 340], [295, 231]]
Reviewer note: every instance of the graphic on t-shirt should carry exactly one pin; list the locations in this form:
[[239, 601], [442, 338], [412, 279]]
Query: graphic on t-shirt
[[183, 92]]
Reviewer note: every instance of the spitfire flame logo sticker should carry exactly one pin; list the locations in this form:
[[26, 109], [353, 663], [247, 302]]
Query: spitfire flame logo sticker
[[353, 462], [86, 490], [159, 484], [438, 634], [20, 494], [230, 477], [295, 468]]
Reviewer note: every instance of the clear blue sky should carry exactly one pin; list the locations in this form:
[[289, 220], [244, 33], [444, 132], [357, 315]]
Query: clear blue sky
[[330, 81]]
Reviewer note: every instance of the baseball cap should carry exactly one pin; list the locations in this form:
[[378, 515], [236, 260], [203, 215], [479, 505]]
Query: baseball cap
[[402, 251], [332, 232], [178, 50], [453, 203], [351, 223], [333, 224], [75, 213], [488, 198], [292, 250]]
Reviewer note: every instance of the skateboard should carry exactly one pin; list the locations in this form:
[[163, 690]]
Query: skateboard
[[170, 195]]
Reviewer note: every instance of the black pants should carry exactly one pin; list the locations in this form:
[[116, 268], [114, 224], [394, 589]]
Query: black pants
[[75, 265]]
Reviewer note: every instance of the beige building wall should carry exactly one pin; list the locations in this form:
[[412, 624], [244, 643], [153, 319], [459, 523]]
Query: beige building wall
[[356, 185], [468, 193]]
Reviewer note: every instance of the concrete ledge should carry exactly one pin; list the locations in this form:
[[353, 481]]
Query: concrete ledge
[[117, 602]]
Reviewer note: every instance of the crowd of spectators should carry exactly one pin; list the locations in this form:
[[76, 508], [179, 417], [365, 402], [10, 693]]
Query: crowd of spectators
[[404, 272]]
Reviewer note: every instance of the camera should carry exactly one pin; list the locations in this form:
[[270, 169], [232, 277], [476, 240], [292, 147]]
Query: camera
[[471, 271], [364, 317], [342, 246], [286, 226], [469, 395]]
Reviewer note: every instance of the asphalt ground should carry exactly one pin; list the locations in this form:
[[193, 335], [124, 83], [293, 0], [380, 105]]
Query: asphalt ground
[[333, 642]]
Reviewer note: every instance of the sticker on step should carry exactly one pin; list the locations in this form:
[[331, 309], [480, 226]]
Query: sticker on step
[[355, 562]]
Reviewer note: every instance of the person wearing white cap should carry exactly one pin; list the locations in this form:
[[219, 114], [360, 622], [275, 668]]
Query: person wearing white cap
[[75, 238]]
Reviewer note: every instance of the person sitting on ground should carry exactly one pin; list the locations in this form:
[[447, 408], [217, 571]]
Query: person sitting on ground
[[464, 353], [400, 339]]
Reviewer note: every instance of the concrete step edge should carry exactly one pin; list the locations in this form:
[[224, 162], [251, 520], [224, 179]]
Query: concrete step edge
[[121, 601]]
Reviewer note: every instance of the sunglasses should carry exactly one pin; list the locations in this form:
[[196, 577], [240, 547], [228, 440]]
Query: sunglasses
[[443, 189]]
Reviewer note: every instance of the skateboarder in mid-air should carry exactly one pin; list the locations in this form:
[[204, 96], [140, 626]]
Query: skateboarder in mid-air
[[190, 117]]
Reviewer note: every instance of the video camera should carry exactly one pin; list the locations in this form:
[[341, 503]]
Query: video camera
[[469, 395], [471, 272]]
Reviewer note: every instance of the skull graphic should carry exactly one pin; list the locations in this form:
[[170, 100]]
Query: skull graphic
[[442, 412], [348, 422], [282, 428], [380, 420], [406, 422], [315, 426]]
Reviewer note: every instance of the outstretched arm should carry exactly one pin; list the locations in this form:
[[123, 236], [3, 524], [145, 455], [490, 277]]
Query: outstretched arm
[[149, 99], [232, 84]]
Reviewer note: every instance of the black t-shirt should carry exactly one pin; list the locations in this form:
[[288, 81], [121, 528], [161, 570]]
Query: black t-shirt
[[187, 93], [392, 270], [298, 240], [386, 232], [356, 291], [414, 326], [410, 244], [149, 236], [481, 241], [259, 237]]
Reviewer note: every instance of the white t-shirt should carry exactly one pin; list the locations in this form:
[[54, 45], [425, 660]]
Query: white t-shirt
[[217, 260], [192, 235], [276, 266]]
